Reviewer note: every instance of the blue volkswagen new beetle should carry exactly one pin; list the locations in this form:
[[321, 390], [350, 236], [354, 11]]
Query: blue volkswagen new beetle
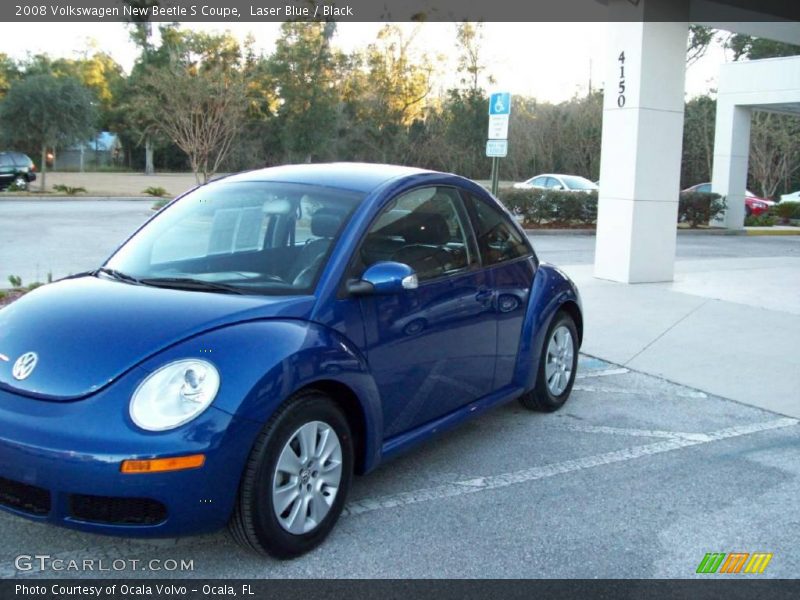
[[263, 338]]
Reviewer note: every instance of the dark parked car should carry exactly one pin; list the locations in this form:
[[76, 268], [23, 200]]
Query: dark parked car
[[263, 338], [16, 168]]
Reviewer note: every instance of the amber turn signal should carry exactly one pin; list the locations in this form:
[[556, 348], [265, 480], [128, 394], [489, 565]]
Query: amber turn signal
[[160, 465]]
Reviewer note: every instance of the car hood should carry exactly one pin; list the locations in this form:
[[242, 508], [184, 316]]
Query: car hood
[[88, 331]]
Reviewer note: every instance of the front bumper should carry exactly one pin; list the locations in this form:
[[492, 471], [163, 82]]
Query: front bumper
[[60, 463]]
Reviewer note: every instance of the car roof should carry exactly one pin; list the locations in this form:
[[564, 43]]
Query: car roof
[[360, 177], [560, 175]]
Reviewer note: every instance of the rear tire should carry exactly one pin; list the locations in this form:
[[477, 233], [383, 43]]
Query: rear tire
[[302, 462], [558, 362]]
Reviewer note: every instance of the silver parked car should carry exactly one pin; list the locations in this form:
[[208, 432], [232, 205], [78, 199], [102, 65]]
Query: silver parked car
[[559, 182]]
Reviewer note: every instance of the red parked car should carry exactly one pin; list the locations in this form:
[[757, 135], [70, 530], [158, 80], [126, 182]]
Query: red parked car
[[753, 205]]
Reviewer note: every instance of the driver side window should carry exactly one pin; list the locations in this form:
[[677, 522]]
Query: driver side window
[[424, 229]]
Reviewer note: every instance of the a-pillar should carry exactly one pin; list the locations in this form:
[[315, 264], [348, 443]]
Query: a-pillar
[[642, 140]]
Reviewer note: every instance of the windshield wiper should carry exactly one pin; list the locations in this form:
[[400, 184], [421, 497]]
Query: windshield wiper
[[119, 275], [186, 283]]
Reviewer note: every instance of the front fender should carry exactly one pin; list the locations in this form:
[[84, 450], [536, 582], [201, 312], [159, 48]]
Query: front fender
[[262, 363], [551, 290]]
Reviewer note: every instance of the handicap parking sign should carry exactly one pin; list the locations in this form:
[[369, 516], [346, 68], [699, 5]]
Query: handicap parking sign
[[500, 104]]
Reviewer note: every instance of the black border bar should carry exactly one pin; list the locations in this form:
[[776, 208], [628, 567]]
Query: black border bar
[[711, 587], [230, 11]]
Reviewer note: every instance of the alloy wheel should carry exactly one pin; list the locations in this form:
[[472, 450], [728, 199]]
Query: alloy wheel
[[307, 477], [560, 356]]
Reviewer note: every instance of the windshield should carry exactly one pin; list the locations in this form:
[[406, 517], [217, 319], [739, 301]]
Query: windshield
[[257, 237], [578, 183]]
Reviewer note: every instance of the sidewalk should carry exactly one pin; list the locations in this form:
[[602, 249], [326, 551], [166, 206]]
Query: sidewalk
[[727, 326]]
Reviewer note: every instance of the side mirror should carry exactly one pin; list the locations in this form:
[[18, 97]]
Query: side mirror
[[384, 278]]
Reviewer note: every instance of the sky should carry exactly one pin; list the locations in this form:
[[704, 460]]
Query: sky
[[550, 61]]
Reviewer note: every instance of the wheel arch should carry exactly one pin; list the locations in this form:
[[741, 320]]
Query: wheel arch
[[573, 310], [552, 292], [347, 400]]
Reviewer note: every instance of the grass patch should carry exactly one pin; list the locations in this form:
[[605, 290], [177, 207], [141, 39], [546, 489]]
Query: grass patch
[[69, 190], [155, 191]]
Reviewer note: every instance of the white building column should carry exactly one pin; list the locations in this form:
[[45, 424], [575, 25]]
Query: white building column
[[642, 141], [731, 153]]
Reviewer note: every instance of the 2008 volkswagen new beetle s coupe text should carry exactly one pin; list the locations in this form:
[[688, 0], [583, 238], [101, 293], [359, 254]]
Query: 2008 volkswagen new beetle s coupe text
[[263, 338]]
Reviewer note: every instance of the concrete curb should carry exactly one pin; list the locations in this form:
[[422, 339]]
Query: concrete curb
[[592, 232], [773, 232]]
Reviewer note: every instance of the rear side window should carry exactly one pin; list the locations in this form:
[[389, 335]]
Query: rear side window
[[498, 239]]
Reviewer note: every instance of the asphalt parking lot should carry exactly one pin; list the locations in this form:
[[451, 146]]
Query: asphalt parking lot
[[636, 477]]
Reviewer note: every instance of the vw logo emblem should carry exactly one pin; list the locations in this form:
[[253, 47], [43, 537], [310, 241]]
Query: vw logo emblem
[[25, 365]]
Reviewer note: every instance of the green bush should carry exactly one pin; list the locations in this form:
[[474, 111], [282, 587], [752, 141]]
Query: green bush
[[15, 281], [762, 220], [553, 207], [698, 208], [159, 204], [786, 211]]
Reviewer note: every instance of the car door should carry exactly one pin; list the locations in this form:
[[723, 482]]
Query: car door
[[511, 266], [553, 183], [431, 349]]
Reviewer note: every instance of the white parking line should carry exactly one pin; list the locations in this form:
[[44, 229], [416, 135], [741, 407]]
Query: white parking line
[[658, 433], [603, 373], [609, 390], [493, 482]]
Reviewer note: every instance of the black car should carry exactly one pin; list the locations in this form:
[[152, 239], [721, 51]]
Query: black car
[[16, 168]]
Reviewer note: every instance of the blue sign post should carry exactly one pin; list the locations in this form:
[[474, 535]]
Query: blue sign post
[[497, 145]]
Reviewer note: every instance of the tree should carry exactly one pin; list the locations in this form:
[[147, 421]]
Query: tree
[[9, 72], [464, 109], [96, 70], [47, 111], [470, 63], [303, 71], [698, 140], [753, 48], [141, 33], [700, 39], [774, 150], [392, 94], [201, 112]]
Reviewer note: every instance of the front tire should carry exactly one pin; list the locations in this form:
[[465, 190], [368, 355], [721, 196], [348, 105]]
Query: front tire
[[20, 182], [296, 480], [557, 366]]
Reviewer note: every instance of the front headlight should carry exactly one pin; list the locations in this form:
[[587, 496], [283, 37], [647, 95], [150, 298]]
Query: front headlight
[[174, 394]]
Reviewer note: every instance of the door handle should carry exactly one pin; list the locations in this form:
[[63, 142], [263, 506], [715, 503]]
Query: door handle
[[484, 296]]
